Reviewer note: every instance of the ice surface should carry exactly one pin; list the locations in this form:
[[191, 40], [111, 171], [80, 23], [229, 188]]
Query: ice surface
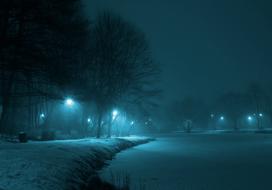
[[198, 162]]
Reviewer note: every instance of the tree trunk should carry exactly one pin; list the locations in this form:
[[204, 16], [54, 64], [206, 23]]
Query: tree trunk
[[109, 129], [4, 115], [6, 100], [99, 125]]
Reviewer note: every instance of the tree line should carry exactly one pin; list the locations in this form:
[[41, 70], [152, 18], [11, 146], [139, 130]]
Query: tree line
[[50, 50], [233, 110]]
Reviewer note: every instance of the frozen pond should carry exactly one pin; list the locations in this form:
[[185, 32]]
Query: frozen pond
[[198, 162]]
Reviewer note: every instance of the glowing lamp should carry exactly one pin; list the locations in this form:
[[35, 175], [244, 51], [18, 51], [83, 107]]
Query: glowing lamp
[[69, 102], [114, 114]]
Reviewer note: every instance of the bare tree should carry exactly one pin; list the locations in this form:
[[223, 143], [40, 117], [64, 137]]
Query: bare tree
[[258, 99], [122, 69]]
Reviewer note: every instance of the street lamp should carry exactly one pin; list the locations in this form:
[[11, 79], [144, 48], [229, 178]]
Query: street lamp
[[114, 114], [42, 115], [222, 118], [249, 118], [260, 114], [69, 102], [89, 120], [132, 123]]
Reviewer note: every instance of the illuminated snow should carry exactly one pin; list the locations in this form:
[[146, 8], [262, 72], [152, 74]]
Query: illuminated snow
[[46, 165]]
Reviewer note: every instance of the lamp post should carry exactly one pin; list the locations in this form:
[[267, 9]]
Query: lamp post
[[131, 127], [114, 115], [222, 121], [213, 125], [42, 115], [42, 119], [260, 120]]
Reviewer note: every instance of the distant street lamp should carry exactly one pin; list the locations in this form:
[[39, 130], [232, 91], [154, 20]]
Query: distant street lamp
[[260, 114], [249, 118], [212, 121], [131, 127], [89, 120], [42, 119], [222, 118]]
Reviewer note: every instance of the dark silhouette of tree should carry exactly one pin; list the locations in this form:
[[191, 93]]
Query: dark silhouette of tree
[[258, 101], [40, 43], [121, 69], [48, 51]]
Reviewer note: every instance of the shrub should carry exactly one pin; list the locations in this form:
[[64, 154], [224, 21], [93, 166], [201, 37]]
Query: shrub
[[22, 137]]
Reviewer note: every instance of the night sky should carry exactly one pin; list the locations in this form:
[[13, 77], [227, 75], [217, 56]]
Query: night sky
[[204, 47]]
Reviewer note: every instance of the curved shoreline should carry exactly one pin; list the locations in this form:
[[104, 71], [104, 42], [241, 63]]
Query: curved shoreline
[[84, 176]]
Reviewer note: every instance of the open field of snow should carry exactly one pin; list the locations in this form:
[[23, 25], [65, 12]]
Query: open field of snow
[[198, 162], [56, 165]]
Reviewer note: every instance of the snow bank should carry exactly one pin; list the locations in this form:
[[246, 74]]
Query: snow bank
[[56, 165]]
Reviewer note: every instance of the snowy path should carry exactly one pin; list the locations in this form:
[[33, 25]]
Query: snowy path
[[199, 162]]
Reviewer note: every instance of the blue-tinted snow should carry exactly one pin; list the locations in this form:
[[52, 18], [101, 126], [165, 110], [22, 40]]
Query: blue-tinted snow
[[50, 165]]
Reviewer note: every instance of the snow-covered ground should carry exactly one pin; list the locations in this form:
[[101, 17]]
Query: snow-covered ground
[[198, 162], [55, 165]]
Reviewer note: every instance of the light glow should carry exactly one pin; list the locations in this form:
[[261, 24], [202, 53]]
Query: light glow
[[114, 114], [69, 102]]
